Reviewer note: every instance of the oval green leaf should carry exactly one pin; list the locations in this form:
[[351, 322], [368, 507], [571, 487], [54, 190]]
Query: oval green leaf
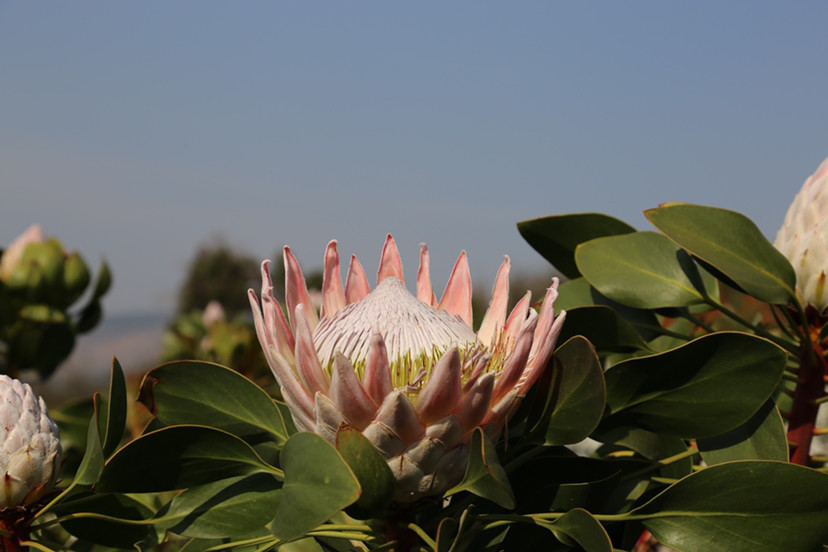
[[762, 437], [604, 328], [116, 412], [106, 532], [576, 394], [689, 391], [370, 468], [643, 270], [731, 243], [750, 506], [234, 507], [556, 237], [203, 393], [178, 457], [484, 476], [578, 527], [318, 484]]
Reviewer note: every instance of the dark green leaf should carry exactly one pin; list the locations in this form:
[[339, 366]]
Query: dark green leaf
[[318, 484], [653, 446], [116, 414], [106, 532], [234, 507], [485, 477], [556, 237], [731, 243], [576, 393], [602, 326], [762, 437], [370, 468], [643, 270], [578, 527], [689, 391], [203, 393], [750, 506], [93, 459], [178, 457]]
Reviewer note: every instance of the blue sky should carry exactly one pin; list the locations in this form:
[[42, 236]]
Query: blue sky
[[137, 131]]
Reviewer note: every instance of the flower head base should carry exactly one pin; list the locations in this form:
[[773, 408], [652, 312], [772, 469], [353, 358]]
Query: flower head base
[[408, 372], [803, 238], [30, 451]]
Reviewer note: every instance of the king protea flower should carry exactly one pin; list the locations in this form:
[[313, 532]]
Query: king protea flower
[[803, 238], [408, 372]]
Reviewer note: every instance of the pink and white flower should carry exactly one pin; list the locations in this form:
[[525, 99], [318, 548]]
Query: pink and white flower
[[408, 372]]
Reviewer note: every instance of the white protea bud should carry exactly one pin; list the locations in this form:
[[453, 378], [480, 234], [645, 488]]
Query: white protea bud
[[408, 372], [803, 238], [30, 453]]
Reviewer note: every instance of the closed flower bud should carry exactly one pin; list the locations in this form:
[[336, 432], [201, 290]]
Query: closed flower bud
[[10, 259], [30, 452], [803, 239]]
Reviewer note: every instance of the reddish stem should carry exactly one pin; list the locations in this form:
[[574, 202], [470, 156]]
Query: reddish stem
[[809, 388]]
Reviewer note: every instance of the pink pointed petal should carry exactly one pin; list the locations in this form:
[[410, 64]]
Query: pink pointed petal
[[296, 291], [302, 420], [390, 264], [357, 287], [547, 317], [500, 411], [457, 299], [475, 404], [296, 396], [276, 328], [495, 318], [328, 418], [517, 317], [443, 389], [479, 368], [333, 295], [377, 370], [347, 393], [398, 414], [307, 361], [425, 292], [537, 364], [515, 364]]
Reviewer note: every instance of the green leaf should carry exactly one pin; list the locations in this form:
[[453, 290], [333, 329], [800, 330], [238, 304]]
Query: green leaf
[[178, 457], [604, 328], [93, 459], [556, 237], [485, 477], [762, 437], [750, 506], [653, 446], [106, 532], [203, 393], [689, 391], [233, 507], [576, 394], [578, 293], [116, 414], [578, 527], [643, 270], [370, 468], [318, 484], [731, 243]]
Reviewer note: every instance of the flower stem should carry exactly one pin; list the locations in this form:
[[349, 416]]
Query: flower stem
[[810, 392]]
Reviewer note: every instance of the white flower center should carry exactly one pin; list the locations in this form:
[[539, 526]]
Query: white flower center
[[416, 334]]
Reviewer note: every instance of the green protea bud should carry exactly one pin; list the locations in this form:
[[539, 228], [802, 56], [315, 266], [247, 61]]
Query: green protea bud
[[39, 275], [30, 453], [803, 239], [10, 259]]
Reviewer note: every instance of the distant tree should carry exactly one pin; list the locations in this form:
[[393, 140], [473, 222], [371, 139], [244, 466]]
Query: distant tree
[[218, 273]]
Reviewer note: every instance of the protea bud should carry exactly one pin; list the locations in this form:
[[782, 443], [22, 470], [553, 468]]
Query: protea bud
[[408, 372], [10, 259], [30, 454], [803, 238]]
